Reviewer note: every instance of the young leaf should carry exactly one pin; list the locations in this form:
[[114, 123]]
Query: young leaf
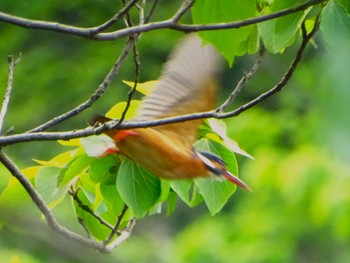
[[116, 111], [145, 87], [74, 168], [219, 127], [139, 189], [46, 185]]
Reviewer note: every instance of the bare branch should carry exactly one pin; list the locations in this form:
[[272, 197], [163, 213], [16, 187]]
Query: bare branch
[[243, 81], [12, 63], [133, 90], [183, 9], [12, 139], [114, 19], [95, 96], [170, 24], [286, 77], [151, 11]]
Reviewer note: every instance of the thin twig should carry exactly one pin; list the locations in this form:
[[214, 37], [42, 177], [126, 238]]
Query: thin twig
[[95, 96], [114, 19], [12, 63], [87, 209], [121, 238], [151, 11], [115, 229], [170, 24], [133, 90], [286, 77], [243, 81], [183, 9]]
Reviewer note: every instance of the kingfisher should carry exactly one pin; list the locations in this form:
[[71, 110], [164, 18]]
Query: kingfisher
[[188, 84]]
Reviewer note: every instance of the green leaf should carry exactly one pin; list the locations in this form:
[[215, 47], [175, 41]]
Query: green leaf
[[104, 170], [139, 189], [228, 42], [171, 203], [74, 168], [98, 230], [112, 199], [46, 185], [278, 34], [182, 189], [214, 192], [335, 24]]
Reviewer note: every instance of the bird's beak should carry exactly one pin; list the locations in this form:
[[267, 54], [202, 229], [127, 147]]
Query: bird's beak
[[236, 180]]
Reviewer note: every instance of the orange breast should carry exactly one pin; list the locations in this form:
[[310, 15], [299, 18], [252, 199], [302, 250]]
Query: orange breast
[[161, 155]]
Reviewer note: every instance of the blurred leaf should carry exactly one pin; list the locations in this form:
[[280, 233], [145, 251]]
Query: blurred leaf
[[104, 170], [97, 230], [214, 192], [220, 128], [113, 201], [46, 185], [74, 168], [71, 142], [138, 188], [278, 34], [145, 88], [58, 161], [230, 42], [97, 145], [116, 111]]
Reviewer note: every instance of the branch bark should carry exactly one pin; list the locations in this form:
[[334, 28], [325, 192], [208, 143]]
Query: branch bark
[[171, 23]]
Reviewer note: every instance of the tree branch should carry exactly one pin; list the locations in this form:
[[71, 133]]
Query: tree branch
[[51, 220], [47, 136], [95, 96], [243, 81], [170, 24], [114, 19]]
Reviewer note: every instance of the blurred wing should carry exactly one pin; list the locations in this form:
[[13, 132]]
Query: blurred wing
[[187, 85]]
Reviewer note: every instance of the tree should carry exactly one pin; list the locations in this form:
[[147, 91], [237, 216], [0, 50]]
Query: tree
[[105, 213]]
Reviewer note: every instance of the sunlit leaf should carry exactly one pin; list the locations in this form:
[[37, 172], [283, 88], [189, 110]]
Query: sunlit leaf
[[116, 111], [59, 160], [145, 87], [74, 168], [97, 145], [71, 142], [138, 188], [220, 128], [46, 185]]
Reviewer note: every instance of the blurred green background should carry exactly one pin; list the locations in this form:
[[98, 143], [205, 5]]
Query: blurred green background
[[299, 210]]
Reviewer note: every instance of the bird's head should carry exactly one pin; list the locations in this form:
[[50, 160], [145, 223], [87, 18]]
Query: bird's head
[[217, 167]]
